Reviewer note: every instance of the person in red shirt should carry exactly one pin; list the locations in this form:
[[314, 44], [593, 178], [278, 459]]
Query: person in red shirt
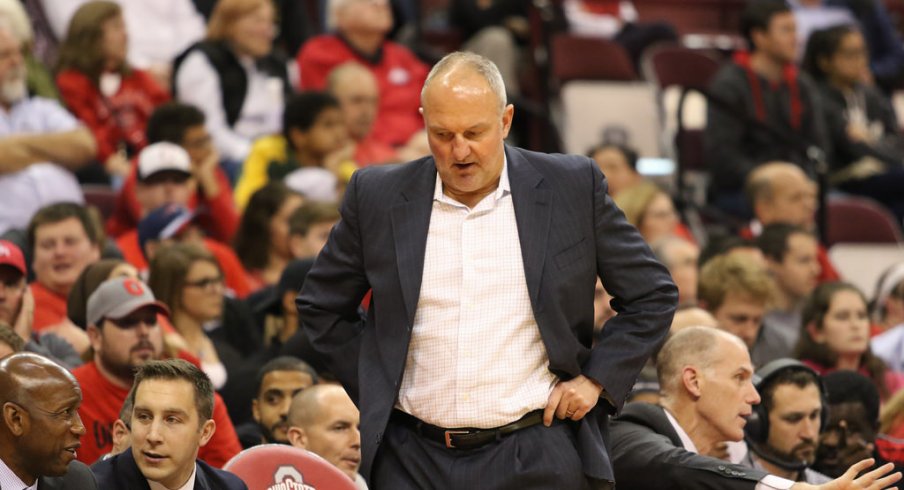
[[63, 241], [183, 124], [100, 88], [123, 328], [360, 35], [780, 192]]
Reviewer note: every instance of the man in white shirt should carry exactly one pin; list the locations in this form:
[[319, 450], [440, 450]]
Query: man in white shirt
[[707, 394]]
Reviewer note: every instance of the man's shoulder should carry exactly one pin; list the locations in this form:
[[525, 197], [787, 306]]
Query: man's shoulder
[[382, 175], [77, 477], [215, 478]]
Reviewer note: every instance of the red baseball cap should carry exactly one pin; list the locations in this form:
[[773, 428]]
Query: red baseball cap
[[11, 254]]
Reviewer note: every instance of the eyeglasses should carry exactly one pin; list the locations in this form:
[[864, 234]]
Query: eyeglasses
[[206, 283], [130, 322]]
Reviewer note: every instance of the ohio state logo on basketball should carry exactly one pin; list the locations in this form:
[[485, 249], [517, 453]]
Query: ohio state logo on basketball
[[289, 478]]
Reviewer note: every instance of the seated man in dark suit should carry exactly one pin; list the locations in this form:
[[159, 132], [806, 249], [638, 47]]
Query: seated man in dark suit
[[172, 410], [707, 392], [40, 426]]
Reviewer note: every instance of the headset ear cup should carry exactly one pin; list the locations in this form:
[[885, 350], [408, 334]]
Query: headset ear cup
[[757, 427]]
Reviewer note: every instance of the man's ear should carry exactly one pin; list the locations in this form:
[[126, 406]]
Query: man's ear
[[297, 437], [815, 333], [692, 380], [207, 431], [94, 337], [255, 410], [16, 419], [121, 436]]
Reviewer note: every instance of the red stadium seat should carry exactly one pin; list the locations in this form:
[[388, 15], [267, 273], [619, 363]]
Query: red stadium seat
[[282, 467], [589, 58], [100, 196], [860, 220]]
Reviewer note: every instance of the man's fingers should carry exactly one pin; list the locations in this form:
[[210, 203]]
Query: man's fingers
[[551, 405], [874, 479], [885, 482], [858, 467], [566, 406]]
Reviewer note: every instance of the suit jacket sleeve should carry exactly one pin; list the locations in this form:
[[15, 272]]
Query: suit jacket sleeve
[[644, 297], [644, 458], [333, 289]]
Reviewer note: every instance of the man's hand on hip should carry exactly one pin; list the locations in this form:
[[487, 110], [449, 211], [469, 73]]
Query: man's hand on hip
[[572, 399]]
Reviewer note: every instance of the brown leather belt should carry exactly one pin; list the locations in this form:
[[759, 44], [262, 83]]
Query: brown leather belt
[[465, 438]]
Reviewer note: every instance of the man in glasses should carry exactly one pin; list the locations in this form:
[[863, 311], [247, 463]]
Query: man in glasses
[[122, 325]]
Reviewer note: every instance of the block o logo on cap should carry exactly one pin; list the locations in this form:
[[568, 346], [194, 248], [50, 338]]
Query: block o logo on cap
[[133, 287]]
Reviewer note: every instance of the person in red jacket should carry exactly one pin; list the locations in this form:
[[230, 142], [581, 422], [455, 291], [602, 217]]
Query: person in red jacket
[[96, 82], [183, 124], [122, 325], [360, 35]]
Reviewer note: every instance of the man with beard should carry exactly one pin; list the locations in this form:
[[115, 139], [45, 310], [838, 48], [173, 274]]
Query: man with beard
[[853, 421], [122, 325], [40, 427], [278, 382], [783, 432], [35, 134]]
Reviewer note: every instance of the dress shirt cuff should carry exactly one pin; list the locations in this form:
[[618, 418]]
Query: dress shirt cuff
[[772, 482]]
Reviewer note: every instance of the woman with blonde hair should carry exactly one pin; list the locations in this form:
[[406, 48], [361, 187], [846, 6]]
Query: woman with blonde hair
[[99, 86], [234, 77], [651, 210]]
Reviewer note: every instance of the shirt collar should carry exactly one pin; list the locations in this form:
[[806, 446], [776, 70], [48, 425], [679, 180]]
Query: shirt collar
[[685, 439], [503, 188], [9, 479], [189, 485]]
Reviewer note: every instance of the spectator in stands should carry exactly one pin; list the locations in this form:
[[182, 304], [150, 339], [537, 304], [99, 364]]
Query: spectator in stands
[[651, 210], [314, 135], [737, 290], [850, 432], [792, 260], [158, 31], [783, 432], [262, 242], [617, 20], [234, 77], [780, 192], [355, 87], [36, 133], [183, 125], [494, 29], [40, 428], [762, 108], [619, 164], [172, 418], [680, 256], [888, 317], [868, 147], [323, 420], [39, 80], [358, 32], [98, 85], [281, 324], [64, 239], [835, 336], [706, 378], [117, 352], [121, 432], [309, 228], [278, 382], [730, 244]]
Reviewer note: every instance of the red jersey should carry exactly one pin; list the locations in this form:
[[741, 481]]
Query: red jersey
[[50, 307], [102, 403]]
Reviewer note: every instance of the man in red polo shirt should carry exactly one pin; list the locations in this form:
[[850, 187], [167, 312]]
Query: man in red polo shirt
[[122, 325]]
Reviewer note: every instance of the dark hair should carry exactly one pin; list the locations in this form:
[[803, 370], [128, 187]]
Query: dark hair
[[283, 363], [773, 241], [309, 214], [814, 312], [82, 47], [9, 337], [722, 244], [62, 211], [852, 387], [170, 121], [757, 15], [302, 110], [252, 240], [629, 153], [174, 370], [169, 268], [821, 45], [125, 413], [798, 377]]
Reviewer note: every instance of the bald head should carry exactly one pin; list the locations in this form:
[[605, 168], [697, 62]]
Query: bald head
[[356, 89], [308, 405], [691, 346], [780, 192], [692, 317], [24, 374], [458, 67]]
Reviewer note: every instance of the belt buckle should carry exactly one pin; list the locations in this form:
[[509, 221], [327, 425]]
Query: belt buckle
[[448, 436]]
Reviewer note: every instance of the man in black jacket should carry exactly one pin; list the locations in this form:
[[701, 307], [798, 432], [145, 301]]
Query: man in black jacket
[[707, 392]]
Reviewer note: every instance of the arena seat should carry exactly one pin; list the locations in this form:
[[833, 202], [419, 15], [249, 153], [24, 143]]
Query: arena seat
[[860, 220], [282, 467]]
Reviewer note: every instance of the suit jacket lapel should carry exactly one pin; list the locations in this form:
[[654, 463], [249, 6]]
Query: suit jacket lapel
[[533, 208], [410, 223]]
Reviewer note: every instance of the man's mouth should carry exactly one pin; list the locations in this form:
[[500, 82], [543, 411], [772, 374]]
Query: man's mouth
[[152, 457]]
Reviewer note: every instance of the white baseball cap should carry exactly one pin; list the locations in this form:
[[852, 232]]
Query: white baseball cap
[[163, 156]]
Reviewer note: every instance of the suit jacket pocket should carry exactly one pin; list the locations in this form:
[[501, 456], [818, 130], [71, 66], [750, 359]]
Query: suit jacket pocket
[[570, 254]]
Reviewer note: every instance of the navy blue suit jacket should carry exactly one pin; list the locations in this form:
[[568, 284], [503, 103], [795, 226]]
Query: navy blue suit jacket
[[570, 232], [120, 472]]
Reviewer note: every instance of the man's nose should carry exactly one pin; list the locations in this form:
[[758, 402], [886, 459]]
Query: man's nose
[[356, 438], [460, 149]]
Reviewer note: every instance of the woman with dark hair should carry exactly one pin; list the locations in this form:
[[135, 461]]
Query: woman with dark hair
[[868, 149], [234, 77], [262, 242], [96, 82], [835, 336]]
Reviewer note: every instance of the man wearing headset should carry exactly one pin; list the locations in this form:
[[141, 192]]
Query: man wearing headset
[[782, 433]]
